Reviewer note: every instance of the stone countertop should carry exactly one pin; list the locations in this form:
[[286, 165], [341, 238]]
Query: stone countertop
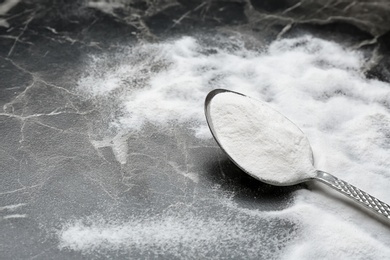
[[154, 190]]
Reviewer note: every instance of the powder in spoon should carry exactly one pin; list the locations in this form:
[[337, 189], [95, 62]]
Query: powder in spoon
[[261, 140]]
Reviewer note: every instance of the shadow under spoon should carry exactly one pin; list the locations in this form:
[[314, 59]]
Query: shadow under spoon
[[271, 148]]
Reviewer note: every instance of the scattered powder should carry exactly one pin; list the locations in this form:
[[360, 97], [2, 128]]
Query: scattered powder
[[118, 144], [12, 207], [182, 235], [318, 84], [104, 6], [260, 140], [13, 216], [335, 239]]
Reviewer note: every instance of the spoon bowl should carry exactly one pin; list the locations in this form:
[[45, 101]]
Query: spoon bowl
[[258, 139], [271, 148]]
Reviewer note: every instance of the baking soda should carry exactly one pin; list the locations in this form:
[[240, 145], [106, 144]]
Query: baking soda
[[260, 140], [317, 84]]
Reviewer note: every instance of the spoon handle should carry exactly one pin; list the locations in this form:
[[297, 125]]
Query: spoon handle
[[363, 198]]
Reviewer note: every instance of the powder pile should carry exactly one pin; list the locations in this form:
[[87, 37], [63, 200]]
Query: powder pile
[[260, 140], [318, 84]]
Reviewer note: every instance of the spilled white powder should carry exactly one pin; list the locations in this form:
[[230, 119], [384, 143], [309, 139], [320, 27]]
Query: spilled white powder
[[181, 235], [261, 140], [317, 84]]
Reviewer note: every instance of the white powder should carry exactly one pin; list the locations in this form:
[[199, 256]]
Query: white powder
[[318, 84], [181, 235], [261, 140]]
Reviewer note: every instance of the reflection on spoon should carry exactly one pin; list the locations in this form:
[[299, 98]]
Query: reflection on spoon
[[269, 147]]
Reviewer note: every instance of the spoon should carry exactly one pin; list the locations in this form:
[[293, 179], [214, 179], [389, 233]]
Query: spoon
[[268, 146]]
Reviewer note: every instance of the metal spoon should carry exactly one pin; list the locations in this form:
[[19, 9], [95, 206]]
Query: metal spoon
[[359, 196]]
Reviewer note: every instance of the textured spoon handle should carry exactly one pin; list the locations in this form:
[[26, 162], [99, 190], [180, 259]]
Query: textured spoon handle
[[358, 195]]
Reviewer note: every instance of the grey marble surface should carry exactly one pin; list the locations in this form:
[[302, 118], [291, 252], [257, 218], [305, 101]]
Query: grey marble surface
[[52, 171]]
